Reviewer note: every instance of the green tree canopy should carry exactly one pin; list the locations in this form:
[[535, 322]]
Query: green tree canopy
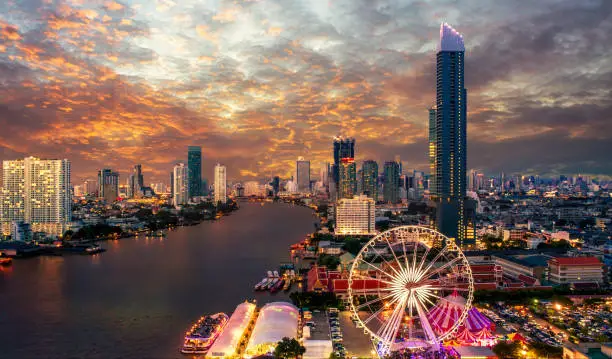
[[289, 348]]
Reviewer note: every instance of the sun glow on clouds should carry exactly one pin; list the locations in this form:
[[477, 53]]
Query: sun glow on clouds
[[259, 83]]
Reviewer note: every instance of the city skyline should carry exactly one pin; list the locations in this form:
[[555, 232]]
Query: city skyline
[[295, 75]]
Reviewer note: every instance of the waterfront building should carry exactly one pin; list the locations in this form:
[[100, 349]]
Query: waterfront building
[[37, 192], [344, 147], [194, 168], [571, 270], [302, 175], [220, 184], [391, 191], [275, 185], [108, 185], [348, 178], [449, 137], [21, 231], [135, 182], [172, 184], [181, 186], [355, 216], [227, 344], [276, 320]]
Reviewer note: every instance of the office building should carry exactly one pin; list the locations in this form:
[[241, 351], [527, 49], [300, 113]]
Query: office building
[[108, 185], [220, 184], [172, 184], [90, 187], [348, 178], [355, 216], [194, 168], [180, 196], [391, 192], [369, 179], [449, 137], [135, 182], [570, 270], [275, 185], [302, 175], [37, 192], [432, 150], [344, 147]]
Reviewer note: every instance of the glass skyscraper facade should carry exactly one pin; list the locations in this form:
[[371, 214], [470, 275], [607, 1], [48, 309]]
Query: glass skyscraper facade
[[194, 170], [448, 137], [348, 178], [369, 179], [344, 147], [391, 191]]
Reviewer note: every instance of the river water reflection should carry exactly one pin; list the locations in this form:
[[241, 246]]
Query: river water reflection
[[137, 299]]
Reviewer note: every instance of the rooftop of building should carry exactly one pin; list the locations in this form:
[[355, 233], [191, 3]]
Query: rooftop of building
[[576, 261], [531, 261], [450, 39]]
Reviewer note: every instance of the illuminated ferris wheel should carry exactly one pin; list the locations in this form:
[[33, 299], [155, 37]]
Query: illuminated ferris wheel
[[396, 281]]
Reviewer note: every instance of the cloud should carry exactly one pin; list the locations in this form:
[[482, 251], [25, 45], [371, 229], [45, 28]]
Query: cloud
[[259, 83]]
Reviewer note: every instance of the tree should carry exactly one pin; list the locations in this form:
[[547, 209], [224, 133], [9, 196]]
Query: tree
[[334, 356], [289, 348], [352, 245], [329, 261], [507, 350]]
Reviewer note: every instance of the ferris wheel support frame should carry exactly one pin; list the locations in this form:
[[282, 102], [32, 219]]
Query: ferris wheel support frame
[[410, 285]]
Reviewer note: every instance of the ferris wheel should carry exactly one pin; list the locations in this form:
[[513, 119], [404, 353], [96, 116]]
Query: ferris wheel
[[398, 279]]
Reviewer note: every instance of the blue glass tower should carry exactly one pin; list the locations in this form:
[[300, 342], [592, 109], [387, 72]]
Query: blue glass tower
[[448, 138], [194, 169]]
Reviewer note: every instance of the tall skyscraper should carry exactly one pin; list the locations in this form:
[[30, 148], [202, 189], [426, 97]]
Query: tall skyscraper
[[181, 185], [450, 136], [344, 147], [194, 167], [172, 184], [135, 181], [37, 192], [391, 190], [302, 175], [432, 151], [275, 185], [108, 185], [369, 173], [220, 184], [348, 178]]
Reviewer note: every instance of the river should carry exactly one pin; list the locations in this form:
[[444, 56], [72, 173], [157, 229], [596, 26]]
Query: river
[[137, 299]]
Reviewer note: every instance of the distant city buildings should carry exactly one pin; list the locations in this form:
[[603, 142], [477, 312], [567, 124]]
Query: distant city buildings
[[355, 216], [220, 184], [194, 168], [347, 178], [180, 195], [369, 179], [391, 192], [302, 175], [108, 185], [36, 192]]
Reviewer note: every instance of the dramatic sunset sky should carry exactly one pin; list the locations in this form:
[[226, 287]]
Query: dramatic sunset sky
[[258, 83]]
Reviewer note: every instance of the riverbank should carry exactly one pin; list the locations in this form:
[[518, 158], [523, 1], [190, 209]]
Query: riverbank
[[136, 299]]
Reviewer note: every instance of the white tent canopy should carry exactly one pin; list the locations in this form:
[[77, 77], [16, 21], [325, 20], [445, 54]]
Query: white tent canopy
[[317, 349], [276, 320], [228, 341]]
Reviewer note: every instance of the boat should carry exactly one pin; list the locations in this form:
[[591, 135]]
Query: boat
[[5, 261], [260, 284], [201, 336], [277, 286], [271, 284]]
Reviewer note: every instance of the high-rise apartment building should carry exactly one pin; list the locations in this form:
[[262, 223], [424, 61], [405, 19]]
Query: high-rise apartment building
[[180, 196], [449, 137], [302, 175], [108, 185], [355, 216], [220, 184], [369, 179], [391, 191], [37, 192], [348, 178], [194, 168]]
